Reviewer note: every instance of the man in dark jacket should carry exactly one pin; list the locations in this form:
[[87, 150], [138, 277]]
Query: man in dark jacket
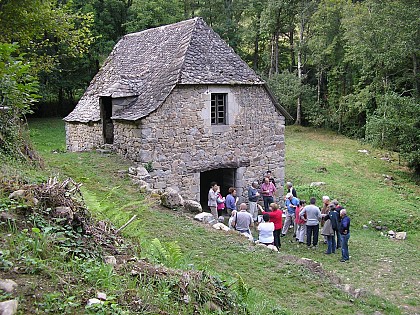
[[335, 222], [345, 235]]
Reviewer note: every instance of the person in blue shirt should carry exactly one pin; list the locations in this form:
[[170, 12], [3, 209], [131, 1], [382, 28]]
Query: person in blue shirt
[[291, 203], [345, 235], [231, 200]]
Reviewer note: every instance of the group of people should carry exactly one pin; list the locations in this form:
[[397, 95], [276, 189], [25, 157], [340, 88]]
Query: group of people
[[306, 220]]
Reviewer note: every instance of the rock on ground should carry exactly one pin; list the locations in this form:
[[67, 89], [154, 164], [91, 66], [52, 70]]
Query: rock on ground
[[192, 206], [101, 296], [220, 226], [94, 301], [317, 184], [17, 194], [8, 307], [110, 260], [8, 285], [401, 235], [171, 199], [203, 217], [64, 212]]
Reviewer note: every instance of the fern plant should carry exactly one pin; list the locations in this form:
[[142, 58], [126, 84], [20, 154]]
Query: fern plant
[[168, 254]]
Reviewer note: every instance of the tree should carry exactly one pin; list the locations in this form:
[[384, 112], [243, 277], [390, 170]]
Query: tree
[[18, 90], [305, 10]]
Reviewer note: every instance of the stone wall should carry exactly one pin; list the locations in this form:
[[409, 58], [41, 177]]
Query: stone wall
[[180, 142], [83, 137]]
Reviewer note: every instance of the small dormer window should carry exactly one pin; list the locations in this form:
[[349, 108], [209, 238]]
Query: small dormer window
[[218, 108]]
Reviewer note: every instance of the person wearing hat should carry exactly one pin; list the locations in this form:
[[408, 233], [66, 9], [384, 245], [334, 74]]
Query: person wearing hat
[[291, 203]]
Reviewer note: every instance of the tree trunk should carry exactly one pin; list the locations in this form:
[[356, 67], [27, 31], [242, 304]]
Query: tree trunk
[[416, 82], [318, 86], [299, 100], [257, 43], [299, 70], [274, 66], [292, 49]]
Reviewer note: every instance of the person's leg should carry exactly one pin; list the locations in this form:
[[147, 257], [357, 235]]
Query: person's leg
[[213, 211], [286, 224], [333, 244], [295, 226], [316, 234], [266, 203], [309, 229], [219, 212], [329, 243], [300, 232], [338, 238], [276, 235], [345, 247], [253, 210]]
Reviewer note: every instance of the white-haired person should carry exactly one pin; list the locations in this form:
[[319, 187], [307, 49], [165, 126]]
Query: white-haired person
[[291, 204], [345, 235]]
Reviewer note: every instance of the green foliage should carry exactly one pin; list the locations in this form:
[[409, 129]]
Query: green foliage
[[168, 254], [18, 87], [395, 124], [18, 90], [287, 88], [149, 166], [45, 30], [153, 13]]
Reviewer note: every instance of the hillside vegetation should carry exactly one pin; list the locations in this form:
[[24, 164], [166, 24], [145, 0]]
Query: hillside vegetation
[[383, 272]]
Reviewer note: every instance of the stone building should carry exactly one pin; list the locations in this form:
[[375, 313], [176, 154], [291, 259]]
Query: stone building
[[178, 98]]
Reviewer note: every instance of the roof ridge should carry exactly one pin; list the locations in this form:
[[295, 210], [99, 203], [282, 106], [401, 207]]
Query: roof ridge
[[163, 27], [186, 50]]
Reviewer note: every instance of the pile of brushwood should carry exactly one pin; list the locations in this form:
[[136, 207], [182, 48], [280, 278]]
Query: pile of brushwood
[[58, 207]]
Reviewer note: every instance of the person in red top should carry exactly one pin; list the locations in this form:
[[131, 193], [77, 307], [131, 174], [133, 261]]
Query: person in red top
[[276, 216]]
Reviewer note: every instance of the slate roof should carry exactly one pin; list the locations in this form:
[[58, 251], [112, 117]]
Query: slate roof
[[149, 64]]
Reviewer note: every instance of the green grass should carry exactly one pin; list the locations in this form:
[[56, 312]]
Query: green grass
[[386, 269]]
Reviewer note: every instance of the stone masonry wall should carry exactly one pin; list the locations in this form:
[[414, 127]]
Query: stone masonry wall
[[180, 142], [83, 137]]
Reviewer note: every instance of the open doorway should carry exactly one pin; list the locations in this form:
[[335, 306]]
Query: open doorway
[[107, 124], [224, 177]]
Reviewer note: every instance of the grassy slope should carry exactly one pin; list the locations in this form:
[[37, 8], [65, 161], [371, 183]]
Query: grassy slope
[[351, 176]]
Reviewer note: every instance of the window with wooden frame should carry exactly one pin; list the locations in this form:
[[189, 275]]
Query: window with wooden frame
[[218, 108]]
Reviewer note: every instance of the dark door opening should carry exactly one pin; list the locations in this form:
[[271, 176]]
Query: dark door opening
[[107, 124], [224, 177]]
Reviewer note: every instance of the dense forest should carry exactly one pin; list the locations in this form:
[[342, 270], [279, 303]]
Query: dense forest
[[350, 66]]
